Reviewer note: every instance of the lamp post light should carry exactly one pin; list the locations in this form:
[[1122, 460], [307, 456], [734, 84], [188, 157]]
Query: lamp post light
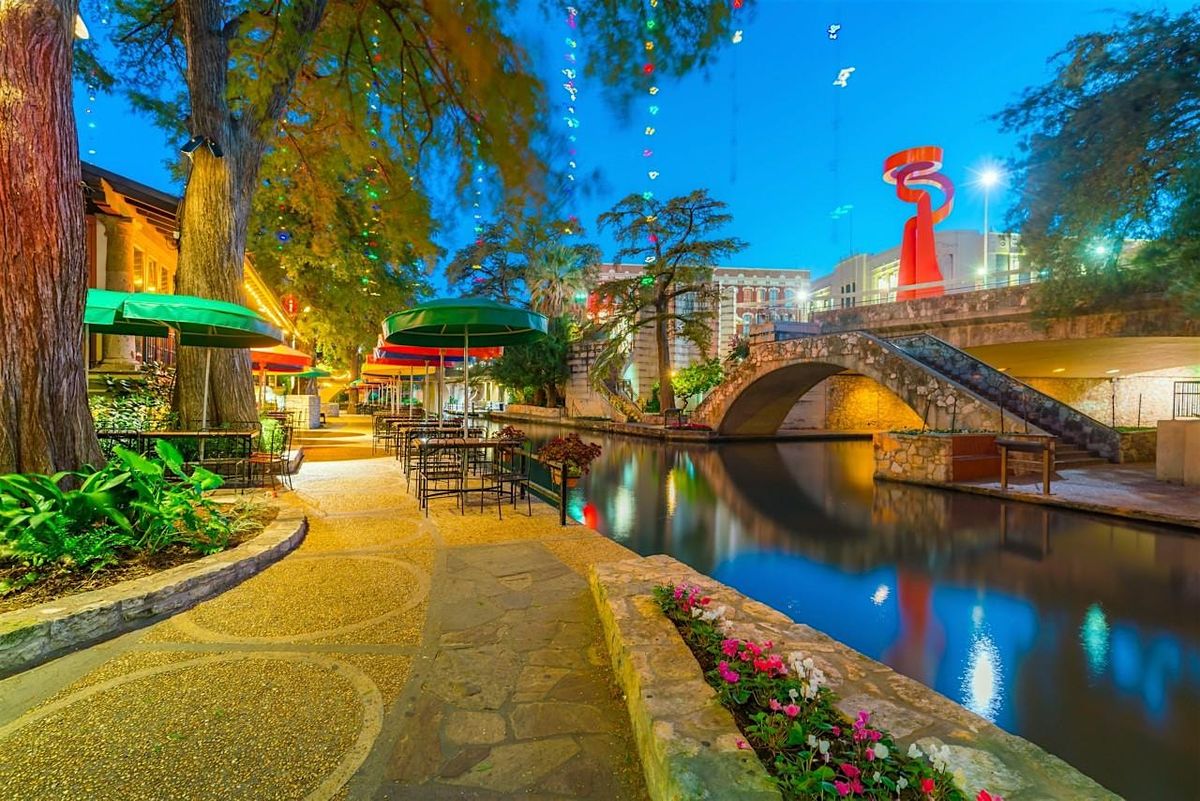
[[988, 179]]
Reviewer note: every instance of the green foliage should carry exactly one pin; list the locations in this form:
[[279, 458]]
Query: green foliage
[[91, 518], [739, 351], [674, 295], [522, 256], [697, 379], [539, 368], [136, 404], [653, 405], [1112, 153]]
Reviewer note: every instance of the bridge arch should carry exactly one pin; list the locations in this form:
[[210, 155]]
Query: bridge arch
[[756, 398]]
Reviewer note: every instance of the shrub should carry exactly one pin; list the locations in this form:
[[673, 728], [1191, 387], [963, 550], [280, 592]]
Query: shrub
[[789, 717], [136, 404], [511, 434], [91, 517]]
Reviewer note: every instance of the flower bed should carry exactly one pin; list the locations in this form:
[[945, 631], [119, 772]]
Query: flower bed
[[789, 717]]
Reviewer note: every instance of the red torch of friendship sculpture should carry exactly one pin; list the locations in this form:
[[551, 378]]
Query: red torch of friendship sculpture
[[918, 166]]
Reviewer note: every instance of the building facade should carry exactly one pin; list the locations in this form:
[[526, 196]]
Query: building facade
[[748, 296], [868, 278], [132, 246]]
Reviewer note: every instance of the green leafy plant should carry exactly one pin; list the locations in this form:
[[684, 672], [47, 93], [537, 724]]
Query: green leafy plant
[[697, 379], [136, 404], [92, 517]]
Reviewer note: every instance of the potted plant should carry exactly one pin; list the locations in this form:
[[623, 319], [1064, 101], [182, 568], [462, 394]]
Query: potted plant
[[511, 434], [571, 453]]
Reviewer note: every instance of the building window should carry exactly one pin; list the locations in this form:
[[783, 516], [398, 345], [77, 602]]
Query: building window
[[774, 295], [762, 295], [139, 270]]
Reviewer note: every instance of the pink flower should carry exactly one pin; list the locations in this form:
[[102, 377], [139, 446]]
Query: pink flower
[[984, 795], [678, 593], [856, 786], [775, 705], [729, 675], [870, 755], [842, 788], [837, 731], [927, 786], [875, 734], [742, 745], [791, 710], [729, 647], [850, 771], [704, 601]]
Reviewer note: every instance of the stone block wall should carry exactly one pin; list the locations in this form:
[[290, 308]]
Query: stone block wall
[[1115, 402], [1138, 446], [850, 403], [935, 457], [534, 411]]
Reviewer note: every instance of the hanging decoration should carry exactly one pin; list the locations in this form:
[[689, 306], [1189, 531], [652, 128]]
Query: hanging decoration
[[371, 202], [648, 35], [570, 72], [735, 111]]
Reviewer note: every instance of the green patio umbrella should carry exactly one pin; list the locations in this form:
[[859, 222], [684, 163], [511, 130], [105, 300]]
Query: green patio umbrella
[[461, 323], [199, 322], [313, 373]]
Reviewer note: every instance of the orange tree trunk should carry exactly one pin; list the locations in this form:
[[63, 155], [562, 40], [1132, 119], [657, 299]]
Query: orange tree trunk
[[45, 425]]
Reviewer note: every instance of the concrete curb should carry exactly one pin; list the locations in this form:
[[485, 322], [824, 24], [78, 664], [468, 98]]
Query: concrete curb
[[686, 740], [1144, 516], [31, 636]]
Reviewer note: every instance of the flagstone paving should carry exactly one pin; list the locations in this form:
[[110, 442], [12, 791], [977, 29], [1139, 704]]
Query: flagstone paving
[[391, 656]]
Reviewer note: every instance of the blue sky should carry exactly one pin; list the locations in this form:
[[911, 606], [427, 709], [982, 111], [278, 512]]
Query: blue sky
[[765, 129]]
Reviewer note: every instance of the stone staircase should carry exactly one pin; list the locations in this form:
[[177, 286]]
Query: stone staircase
[[1082, 440]]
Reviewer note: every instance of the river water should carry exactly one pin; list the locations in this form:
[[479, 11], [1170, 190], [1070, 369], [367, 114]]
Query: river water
[[1078, 632]]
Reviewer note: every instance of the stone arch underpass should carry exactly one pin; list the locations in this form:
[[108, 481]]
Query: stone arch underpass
[[757, 396]]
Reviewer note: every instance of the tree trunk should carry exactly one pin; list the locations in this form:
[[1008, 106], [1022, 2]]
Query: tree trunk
[[216, 204], [45, 425], [212, 250], [666, 392]]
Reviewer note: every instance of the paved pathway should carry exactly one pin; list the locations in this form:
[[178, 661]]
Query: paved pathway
[[1128, 490], [390, 657]]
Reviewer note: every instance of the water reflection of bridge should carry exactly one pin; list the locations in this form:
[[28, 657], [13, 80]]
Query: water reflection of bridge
[[835, 513]]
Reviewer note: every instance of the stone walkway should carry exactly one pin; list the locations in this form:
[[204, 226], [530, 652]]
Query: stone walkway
[[1129, 490], [391, 656]]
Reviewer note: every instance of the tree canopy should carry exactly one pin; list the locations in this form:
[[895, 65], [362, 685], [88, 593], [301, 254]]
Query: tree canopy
[[673, 294], [1111, 153]]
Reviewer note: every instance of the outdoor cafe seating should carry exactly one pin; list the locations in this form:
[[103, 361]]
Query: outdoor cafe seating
[[447, 464]]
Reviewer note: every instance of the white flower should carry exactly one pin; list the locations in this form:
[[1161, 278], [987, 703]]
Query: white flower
[[914, 752], [901, 783], [881, 751], [808, 663], [810, 692], [793, 694], [812, 741], [823, 746], [876, 777], [696, 611]]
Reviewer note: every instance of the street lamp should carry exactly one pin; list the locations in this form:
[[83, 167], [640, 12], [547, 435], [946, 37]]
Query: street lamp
[[988, 179]]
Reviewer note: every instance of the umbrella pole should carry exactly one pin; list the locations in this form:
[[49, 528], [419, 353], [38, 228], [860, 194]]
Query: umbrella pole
[[441, 382], [466, 377], [207, 370]]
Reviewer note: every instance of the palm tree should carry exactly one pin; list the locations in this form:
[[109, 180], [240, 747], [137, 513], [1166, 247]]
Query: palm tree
[[557, 274]]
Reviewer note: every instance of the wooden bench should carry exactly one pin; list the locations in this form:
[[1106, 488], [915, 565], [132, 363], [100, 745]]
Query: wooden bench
[[1045, 448]]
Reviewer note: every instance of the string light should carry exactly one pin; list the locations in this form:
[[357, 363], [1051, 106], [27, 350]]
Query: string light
[[570, 72], [652, 30]]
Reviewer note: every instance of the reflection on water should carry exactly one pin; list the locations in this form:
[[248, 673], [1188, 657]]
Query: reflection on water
[[1077, 632]]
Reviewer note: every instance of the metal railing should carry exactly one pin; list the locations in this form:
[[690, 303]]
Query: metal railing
[[876, 297], [1185, 401]]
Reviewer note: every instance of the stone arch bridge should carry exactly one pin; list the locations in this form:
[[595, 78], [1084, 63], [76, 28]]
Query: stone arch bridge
[[947, 388]]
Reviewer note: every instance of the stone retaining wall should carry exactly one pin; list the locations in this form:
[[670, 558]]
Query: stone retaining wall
[[31, 636], [552, 413], [936, 457], [674, 722], [686, 739], [1138, 446]]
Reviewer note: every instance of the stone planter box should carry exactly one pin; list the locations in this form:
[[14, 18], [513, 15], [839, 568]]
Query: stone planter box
[[31, 636], [936, 457], [687, 740]]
